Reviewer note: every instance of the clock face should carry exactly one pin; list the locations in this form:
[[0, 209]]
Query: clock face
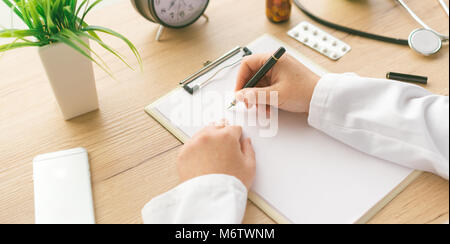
[[179, 13]]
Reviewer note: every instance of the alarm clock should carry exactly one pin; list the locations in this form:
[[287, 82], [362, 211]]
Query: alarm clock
[[171, 13]]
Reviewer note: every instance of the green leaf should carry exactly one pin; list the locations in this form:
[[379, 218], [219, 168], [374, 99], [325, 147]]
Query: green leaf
[[101, 43], [11, 46], [89, 9], [113, 33], [80, 7], [12, 6], [13, 33]]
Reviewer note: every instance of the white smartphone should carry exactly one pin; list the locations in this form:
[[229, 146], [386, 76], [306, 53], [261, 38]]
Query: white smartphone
[[62, 188]]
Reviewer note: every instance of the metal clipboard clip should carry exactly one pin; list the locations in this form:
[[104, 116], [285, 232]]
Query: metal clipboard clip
[[186, 83]]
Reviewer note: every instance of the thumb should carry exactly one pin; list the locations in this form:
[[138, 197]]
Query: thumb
[[257, 95], [248, 151], [249, 162]]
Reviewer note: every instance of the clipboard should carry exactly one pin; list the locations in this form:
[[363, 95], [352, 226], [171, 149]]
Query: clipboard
[[405, 176]]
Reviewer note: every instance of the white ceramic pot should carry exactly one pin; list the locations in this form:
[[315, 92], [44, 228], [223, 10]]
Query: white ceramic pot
[[71, 76]]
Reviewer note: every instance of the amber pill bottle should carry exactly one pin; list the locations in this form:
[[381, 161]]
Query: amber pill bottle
[[278, 11]]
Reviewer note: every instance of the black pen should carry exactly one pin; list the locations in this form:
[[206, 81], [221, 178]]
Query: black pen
[[407, 78], [263, 71]]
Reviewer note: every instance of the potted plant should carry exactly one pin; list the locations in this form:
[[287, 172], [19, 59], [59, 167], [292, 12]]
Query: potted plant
[[58, 29]]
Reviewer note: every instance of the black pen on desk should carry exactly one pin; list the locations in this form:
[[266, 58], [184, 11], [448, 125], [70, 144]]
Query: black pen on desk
[[263, 71], [407, 78]]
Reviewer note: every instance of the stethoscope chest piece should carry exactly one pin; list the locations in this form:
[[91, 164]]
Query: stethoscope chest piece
[[424, 41]]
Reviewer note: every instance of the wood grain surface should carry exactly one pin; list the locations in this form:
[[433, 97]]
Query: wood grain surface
[[133, 158]]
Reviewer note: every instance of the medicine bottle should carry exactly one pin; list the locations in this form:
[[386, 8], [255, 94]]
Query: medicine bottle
[[278, 10]]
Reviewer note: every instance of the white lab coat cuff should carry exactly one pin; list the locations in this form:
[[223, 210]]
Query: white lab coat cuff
[[322, 94], [209, 199]]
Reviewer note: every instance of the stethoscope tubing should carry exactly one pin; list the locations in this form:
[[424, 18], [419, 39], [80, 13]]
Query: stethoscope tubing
[[444, 6], [420, 21], [364, 34]]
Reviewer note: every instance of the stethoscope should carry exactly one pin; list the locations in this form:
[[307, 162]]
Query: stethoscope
[[425, 40]]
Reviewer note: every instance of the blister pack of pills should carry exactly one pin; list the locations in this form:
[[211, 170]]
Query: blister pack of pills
[[319, 40]]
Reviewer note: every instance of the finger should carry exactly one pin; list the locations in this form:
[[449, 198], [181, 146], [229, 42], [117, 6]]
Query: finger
[[213, 126], [235, 131], [247, 105], [248, 151], [266, 81], [250, 65], [257, 95], [220, 124], [206, 130], [266, 109]]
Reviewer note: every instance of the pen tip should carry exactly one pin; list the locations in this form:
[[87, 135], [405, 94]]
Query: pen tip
[[232, 104]]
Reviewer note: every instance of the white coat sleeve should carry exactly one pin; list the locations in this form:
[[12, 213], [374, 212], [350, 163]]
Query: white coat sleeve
[[209, 199], [395, 121]]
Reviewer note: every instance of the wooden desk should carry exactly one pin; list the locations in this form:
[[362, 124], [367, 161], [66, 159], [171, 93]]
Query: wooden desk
[[133, 158]]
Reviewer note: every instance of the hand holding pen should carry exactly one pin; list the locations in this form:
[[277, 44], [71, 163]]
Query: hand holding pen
[[293, 82], [256, 78]]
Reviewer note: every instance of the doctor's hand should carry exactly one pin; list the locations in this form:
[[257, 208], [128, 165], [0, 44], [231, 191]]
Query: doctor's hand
[[294, 83], [218, 149]]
